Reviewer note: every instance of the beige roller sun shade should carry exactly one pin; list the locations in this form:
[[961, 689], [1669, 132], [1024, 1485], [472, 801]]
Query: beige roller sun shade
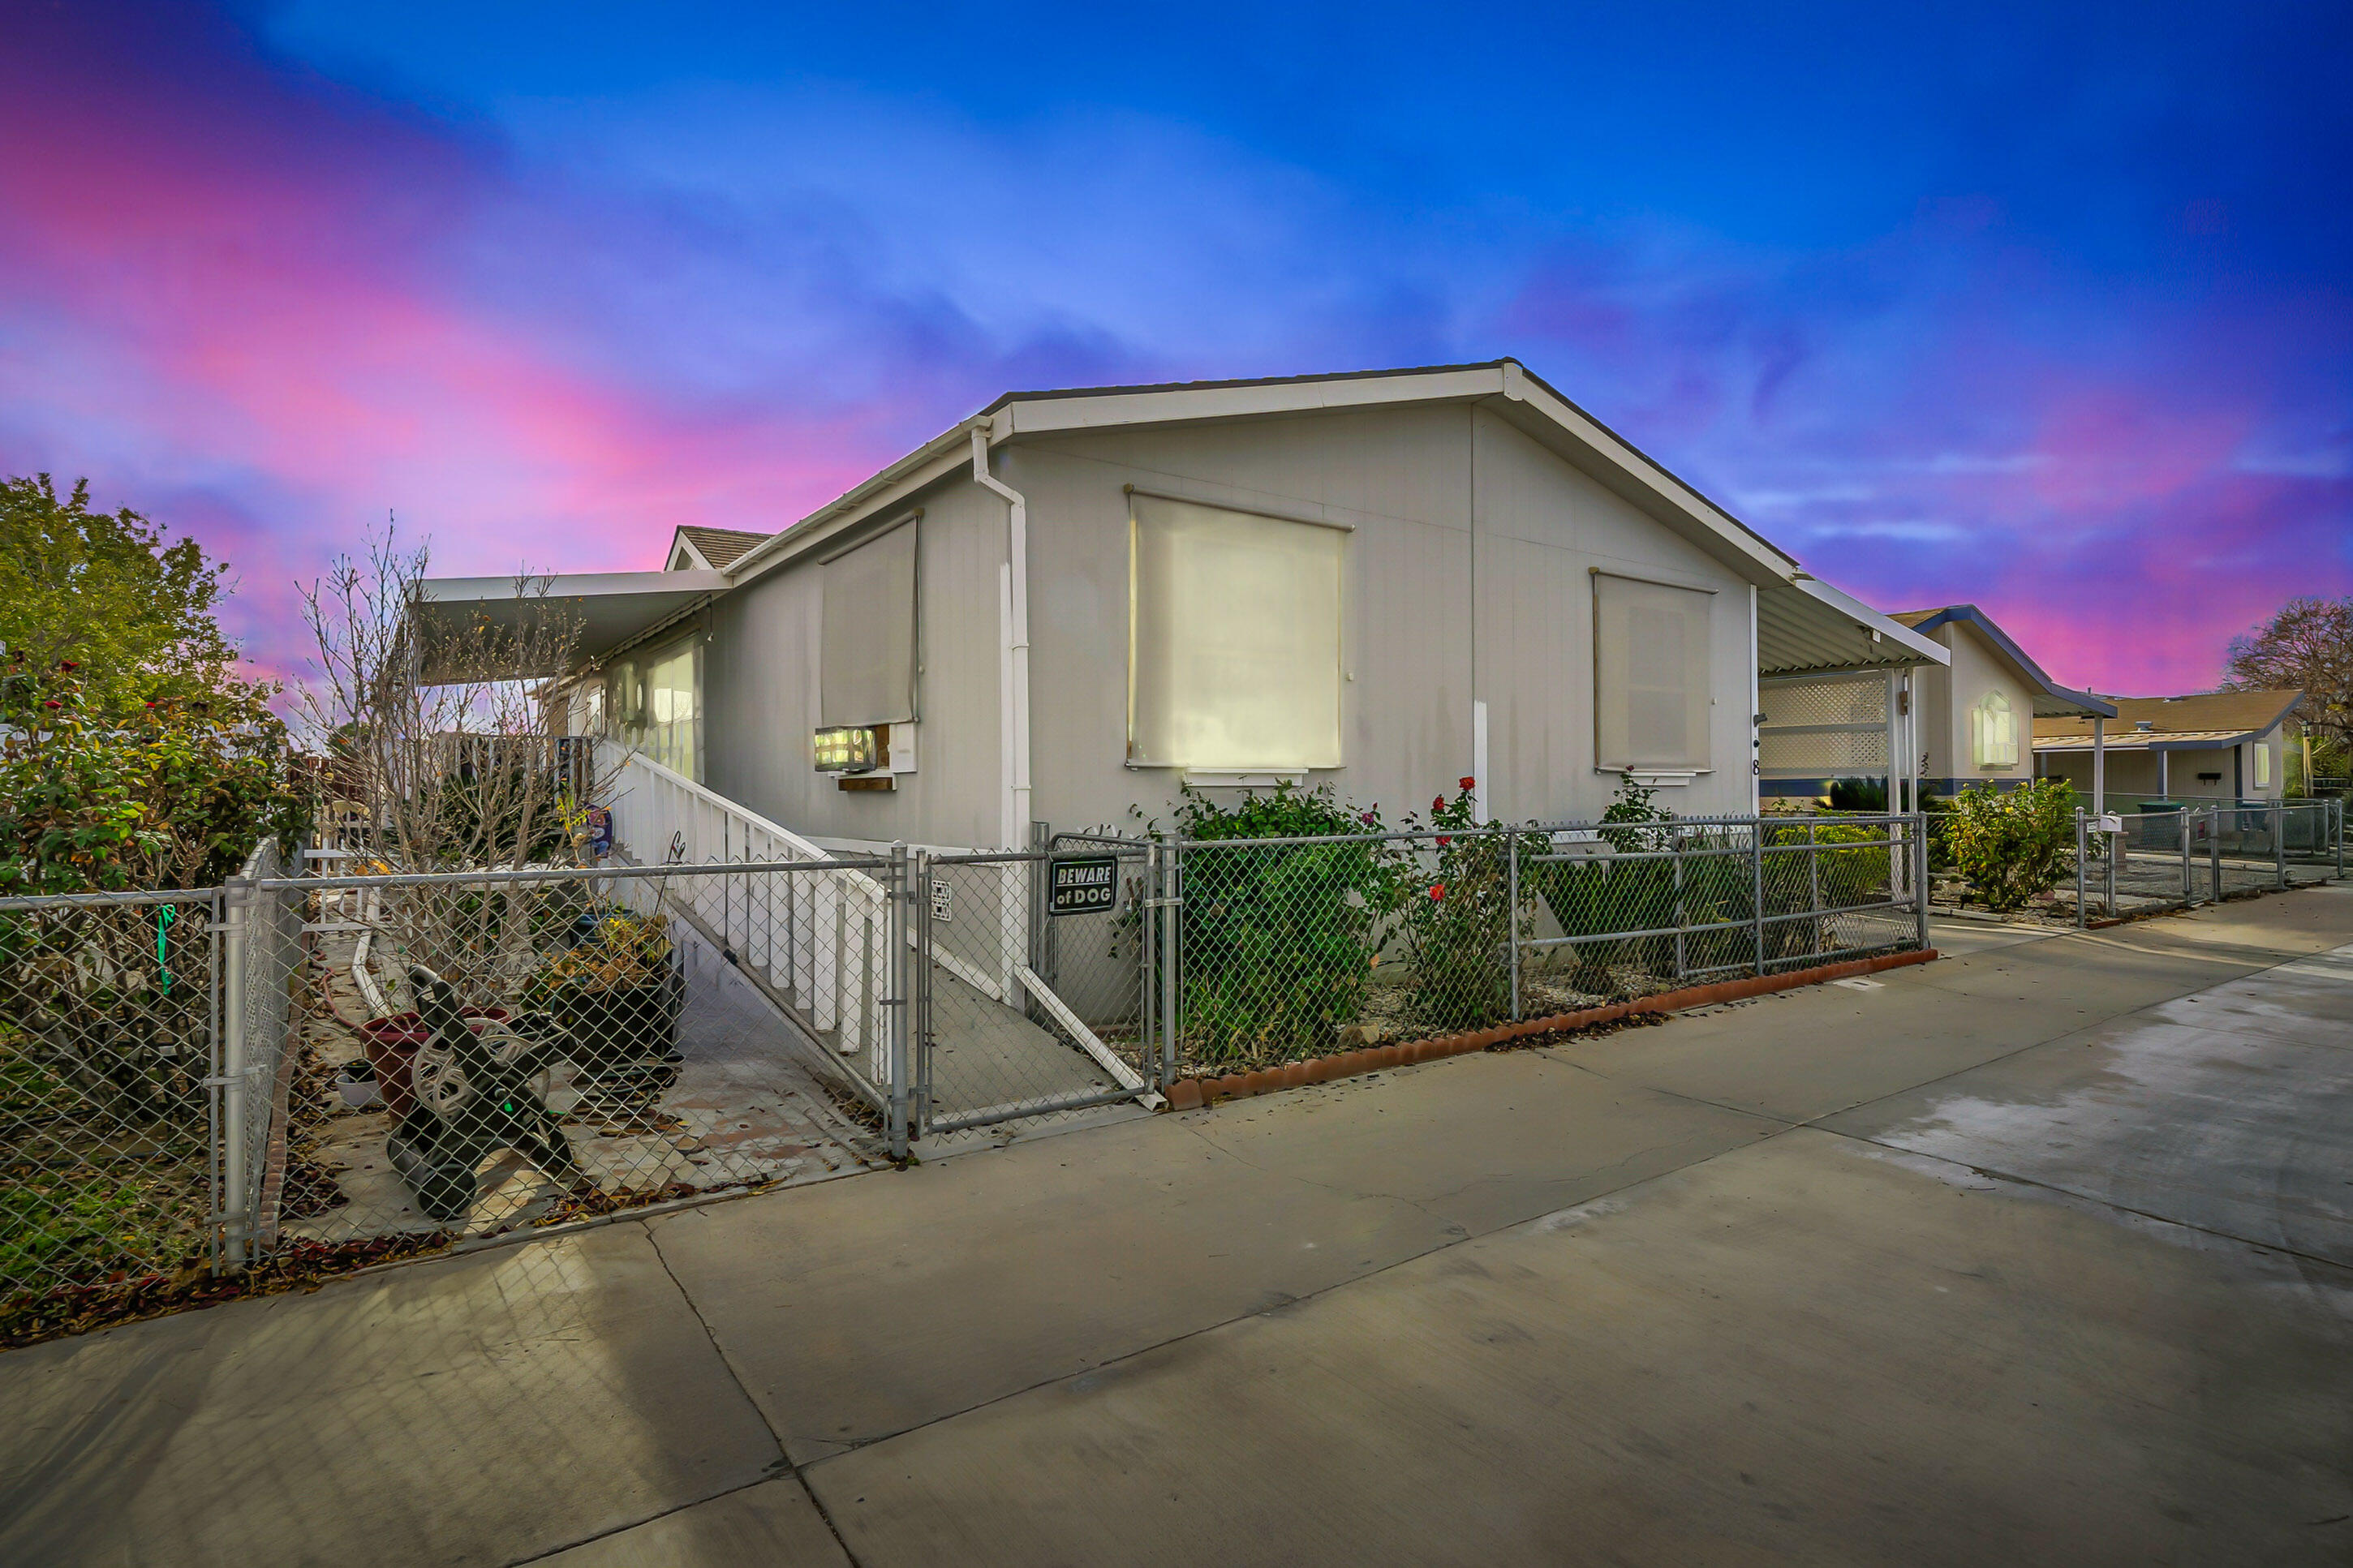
[[1234, 639], [1651, 684], [867, 670]]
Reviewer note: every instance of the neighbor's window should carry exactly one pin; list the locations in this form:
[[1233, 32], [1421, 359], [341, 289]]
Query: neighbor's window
[[1651, 685], [2263, 764], [866, 669], [1993, 732], [653, 702], [1233, 639]]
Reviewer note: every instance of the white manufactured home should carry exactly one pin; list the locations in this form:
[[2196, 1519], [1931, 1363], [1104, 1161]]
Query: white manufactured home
[[1070, 605]]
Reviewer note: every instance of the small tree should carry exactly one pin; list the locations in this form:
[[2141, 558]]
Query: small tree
[[439, 741], [2012, 845]]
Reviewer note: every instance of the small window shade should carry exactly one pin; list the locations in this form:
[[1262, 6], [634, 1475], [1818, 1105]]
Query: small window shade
[[866, 668], [1651, 684], [2263, 764], [1234, 640]]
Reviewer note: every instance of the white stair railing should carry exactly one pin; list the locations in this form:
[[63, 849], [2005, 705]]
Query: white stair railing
[[822, 938]]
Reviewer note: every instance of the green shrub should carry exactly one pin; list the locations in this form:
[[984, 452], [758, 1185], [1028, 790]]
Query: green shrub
[[1279, 940], [2013, 845]]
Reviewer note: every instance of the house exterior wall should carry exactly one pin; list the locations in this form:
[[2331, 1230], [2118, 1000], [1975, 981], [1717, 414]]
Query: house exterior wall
[[1467, 577], [1439, 501], [760, 691], [2133, 775], [1946, 694]]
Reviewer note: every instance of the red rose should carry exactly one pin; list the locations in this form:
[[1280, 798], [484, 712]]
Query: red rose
[[1367, 818], [1468, 782], [1438, 802], [1443, 841], [1438, 891]]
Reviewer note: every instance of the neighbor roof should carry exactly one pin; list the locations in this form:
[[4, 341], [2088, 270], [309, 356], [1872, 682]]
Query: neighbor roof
[[2199, 718], [718, 547], [2050, 698]]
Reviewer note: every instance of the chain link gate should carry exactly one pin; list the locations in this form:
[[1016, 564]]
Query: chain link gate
[[1032, 996]]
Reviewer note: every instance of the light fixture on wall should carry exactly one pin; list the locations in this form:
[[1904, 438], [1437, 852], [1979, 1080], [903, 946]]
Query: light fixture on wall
[[849, 750]]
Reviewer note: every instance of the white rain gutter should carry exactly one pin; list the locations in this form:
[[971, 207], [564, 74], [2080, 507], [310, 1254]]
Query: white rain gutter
[[1013, 599]]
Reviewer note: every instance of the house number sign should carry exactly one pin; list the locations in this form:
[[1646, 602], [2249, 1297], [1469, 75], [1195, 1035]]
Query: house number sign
[[1083, 884]]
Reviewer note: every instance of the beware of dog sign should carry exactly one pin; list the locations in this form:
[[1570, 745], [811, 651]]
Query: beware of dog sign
[[1083, 884]]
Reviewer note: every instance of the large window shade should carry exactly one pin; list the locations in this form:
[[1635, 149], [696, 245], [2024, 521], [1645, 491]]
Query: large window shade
[[867, 670], [1234, 640], [1651, 685]]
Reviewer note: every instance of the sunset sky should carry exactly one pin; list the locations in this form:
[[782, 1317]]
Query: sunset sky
[[2051, 315]]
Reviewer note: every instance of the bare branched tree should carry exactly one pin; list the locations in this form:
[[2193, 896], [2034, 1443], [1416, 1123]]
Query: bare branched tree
[[2307, 644], [439, 741]]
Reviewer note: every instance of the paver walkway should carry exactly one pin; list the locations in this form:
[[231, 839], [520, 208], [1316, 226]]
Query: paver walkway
[[2043, 1252]]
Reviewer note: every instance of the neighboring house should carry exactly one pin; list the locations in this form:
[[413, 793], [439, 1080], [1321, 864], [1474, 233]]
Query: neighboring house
[[2216, 745], [1978, 713], [1073, 602], [1949, 725]]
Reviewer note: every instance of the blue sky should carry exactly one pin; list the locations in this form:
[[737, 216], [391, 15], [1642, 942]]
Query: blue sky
[[2047, 312]]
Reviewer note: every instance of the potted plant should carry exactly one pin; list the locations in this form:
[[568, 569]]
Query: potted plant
[[617, 993]]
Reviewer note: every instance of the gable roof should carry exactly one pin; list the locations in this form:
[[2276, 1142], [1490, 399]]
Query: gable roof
[[708, 549], [2199, 718], [1820, 628], [1504, 385], [2051, 699]]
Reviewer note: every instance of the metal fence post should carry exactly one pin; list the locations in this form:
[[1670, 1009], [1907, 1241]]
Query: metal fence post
[[2214, 849], [1919, 826], [1756, 887], [1814, 888], [2189, 893], [1172, 899], [1511, 912], [2278, 815], [2079, 868], [236, 1212], [902, 894], [2337, 810]]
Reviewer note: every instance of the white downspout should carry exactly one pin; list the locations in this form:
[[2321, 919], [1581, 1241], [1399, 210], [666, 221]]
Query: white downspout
[[1756, 697], [1014, 660]]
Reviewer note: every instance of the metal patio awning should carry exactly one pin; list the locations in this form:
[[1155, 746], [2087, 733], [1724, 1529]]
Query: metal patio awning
[[589, 613], [1804, 627]]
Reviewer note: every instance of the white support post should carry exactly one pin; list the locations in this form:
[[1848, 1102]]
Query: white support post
[[2099, 766]]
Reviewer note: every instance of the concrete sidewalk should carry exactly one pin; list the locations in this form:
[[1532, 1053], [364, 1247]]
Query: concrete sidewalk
[[2041, 1252]]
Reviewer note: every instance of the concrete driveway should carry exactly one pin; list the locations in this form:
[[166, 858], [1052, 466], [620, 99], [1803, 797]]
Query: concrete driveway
[[2043, 1252]]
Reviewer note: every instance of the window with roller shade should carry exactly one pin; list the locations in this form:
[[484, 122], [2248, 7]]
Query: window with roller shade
[[1233, 639], [1651, 675], [867, 657]]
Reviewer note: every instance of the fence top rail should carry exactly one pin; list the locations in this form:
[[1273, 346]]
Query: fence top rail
[[31, 902], [569, 874], [1533, 829]]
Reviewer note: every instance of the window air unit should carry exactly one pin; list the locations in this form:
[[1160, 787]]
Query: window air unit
[[847, 751]]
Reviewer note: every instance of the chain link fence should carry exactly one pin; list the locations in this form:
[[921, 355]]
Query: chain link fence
[[327, 1067], [336, 1067], [2144, 862], [1276, 949]]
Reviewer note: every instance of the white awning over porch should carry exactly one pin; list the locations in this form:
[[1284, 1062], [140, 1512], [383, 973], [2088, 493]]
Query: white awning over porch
[[584, 614], [1804, 627]]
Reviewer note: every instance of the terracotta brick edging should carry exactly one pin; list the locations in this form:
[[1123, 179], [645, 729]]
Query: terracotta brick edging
[[1189, 1093]]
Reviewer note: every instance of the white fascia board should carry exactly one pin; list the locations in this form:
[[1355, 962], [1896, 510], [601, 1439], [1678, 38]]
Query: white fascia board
[[1169, 405], [936, 460], [1645, 483], [567, 586], [1890, 630]]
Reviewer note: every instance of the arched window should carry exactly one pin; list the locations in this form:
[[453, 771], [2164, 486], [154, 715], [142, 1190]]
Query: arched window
[[1994, 731]]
